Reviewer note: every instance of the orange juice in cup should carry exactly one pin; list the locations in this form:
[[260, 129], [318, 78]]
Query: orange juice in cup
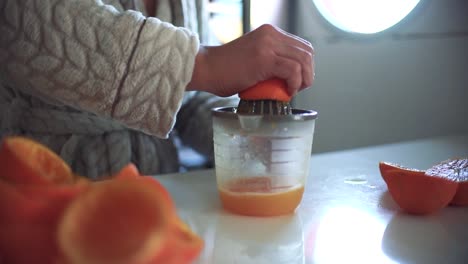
[[262, 162], [249, 197]]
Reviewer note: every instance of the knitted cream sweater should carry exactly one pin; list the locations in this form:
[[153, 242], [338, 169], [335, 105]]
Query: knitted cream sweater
[[101, 84]]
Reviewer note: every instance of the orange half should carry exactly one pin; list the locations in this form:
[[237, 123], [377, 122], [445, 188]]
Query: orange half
[[184, 245], [29, 215], [272, 89], [130, 171], [119, 221], [417, 193], [26, 161], [455, 170]]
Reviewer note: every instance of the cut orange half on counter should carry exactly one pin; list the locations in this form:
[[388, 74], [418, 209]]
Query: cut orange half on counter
[[414, 191], [457, 171]]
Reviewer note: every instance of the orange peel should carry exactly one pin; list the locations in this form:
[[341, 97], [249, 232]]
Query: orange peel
[[271, 89]]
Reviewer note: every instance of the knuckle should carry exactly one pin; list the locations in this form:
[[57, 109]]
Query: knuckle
[[298, 82], [267, 42], [294, 84], [278, 63], [263, 53], [307, 59], [267, 31], [268, 28], [296, 69]]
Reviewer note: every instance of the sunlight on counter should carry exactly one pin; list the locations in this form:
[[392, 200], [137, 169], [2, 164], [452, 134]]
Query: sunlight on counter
[[346, 235], [250, 240]]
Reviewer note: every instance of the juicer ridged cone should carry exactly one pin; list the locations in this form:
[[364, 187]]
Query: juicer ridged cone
[[264, 107], [268, 97]]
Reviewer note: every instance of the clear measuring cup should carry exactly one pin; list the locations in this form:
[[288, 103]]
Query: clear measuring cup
[[262, 161]]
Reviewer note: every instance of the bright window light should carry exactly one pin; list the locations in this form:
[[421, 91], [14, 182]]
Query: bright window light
[[349, 235], [364, 16]]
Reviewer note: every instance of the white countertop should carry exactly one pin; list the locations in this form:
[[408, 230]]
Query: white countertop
[[346, 215]]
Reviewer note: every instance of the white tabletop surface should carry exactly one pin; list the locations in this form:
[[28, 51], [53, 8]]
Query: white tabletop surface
[[346, 215]]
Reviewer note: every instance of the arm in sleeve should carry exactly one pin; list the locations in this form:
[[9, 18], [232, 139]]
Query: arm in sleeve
[[90, 56], [194, 121]]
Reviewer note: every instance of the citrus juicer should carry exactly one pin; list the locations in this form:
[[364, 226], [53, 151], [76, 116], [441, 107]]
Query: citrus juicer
[[268, 97], [262, 151]]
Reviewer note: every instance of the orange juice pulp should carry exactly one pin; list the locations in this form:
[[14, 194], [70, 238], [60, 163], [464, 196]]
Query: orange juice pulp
[[248, 197]]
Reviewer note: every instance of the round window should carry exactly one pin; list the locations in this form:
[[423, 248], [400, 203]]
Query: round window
[[364, 16]]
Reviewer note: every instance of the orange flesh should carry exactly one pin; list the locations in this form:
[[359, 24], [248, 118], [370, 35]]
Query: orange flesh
[[247, 197], [29, 162], [455, 170], [94, 225]]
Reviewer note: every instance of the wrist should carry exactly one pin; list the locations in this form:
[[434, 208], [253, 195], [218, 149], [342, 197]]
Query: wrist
[[200, 73]]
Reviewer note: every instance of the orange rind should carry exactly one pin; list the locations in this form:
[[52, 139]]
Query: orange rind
[[272, 89], [417, 193]]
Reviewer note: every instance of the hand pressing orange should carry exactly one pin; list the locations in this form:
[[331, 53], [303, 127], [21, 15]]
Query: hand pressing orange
[[272, 89], [264, 53]]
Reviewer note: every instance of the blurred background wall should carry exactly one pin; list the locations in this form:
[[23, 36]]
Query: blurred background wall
[[408, 82]]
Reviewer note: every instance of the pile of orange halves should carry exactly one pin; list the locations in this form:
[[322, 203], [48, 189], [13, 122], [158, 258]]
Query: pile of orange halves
[[48, 214]]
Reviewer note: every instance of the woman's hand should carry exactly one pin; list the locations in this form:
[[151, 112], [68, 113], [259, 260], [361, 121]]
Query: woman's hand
[[262, 54]]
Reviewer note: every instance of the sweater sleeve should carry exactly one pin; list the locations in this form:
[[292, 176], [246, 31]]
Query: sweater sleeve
[[90, 56], [194, 124]]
